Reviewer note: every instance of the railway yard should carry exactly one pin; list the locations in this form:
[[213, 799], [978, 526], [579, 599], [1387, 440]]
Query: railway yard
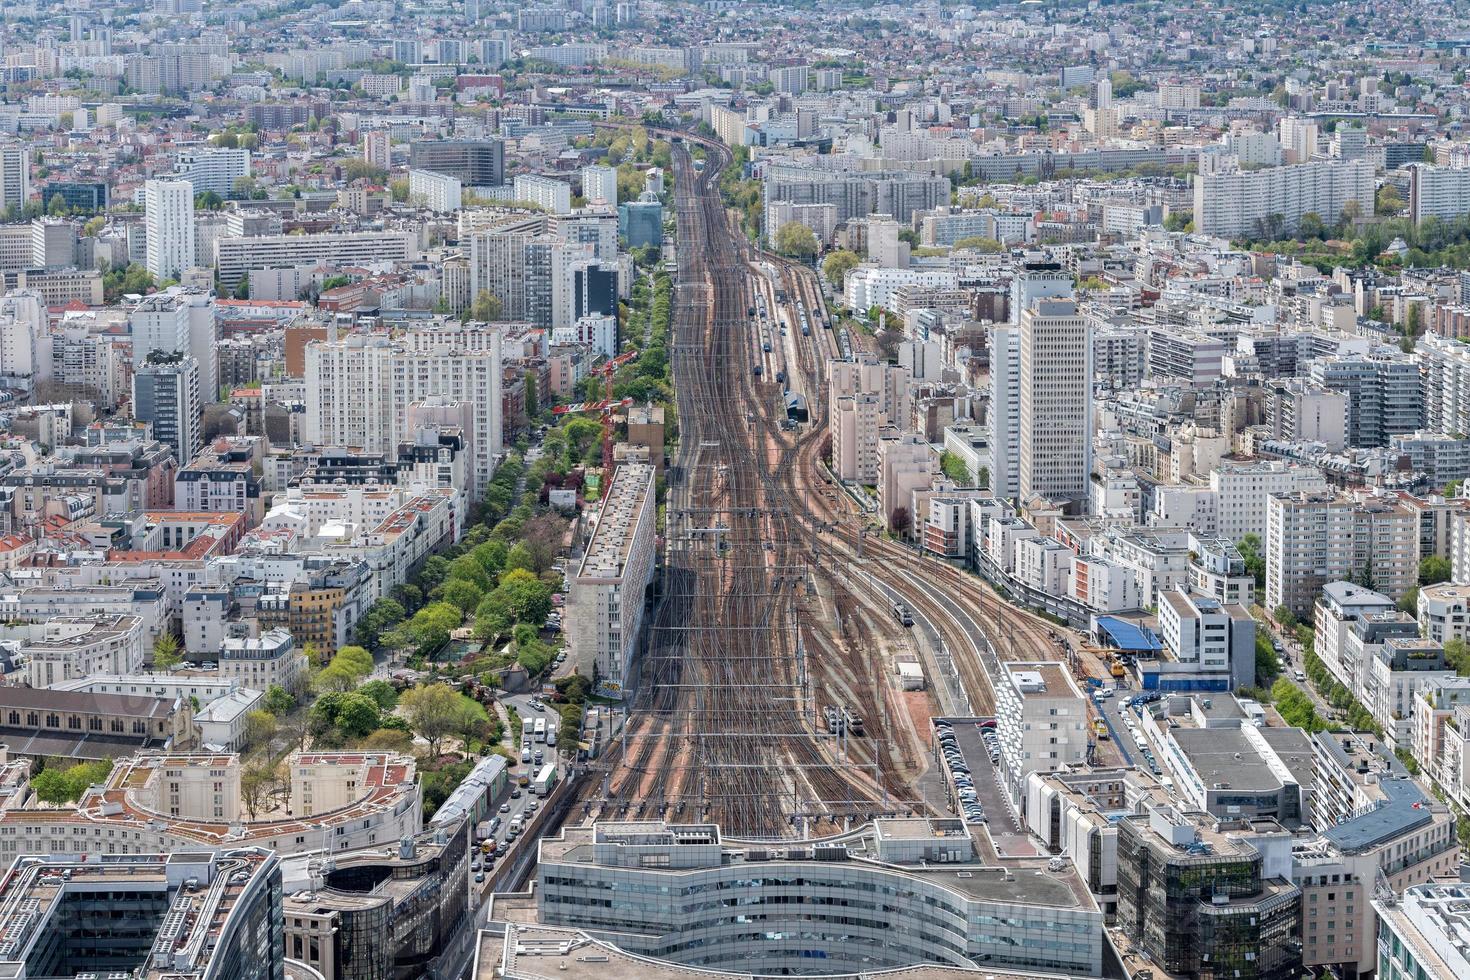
[[767, 698]]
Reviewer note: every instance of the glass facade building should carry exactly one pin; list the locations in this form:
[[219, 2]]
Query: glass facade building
[[875, 899], [1204, 908]]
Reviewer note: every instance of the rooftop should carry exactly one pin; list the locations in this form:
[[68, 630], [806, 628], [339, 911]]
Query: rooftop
[[546, 952], [183, 902], [970, 867], [612, 540]]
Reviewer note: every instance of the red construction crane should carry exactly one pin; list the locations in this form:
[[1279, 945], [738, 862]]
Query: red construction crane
[[605, 409]]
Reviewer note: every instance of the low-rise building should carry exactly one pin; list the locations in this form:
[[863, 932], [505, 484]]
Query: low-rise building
[[261, 661], [69, 647]]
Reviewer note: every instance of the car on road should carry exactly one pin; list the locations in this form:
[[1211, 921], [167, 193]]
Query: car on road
[[515, 793], [505, 808]]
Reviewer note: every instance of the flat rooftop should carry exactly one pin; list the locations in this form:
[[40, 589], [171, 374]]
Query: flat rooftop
[[193, 893], [1042, 678], [548, 952], [985, 877], [612, 539], [1224, 757]]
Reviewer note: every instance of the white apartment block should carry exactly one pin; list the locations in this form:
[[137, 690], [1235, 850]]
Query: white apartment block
[[600, 183], [1056, 402], [15, 175], [1316, 538], [39, 604], [1105, 585], [1444, 612], [1444, 365], [863, 398], [257, 662], [1003, 533], [1438, 192], [551, 194], [1337, 610], [179, 321], [435, 191], [359, 389], [869, 286], [1042, 722], [169, 220], [1242, 489], [235, 258], [1044, 564], [1241, 203], [1005, 411], [213, 168], [606, 598]]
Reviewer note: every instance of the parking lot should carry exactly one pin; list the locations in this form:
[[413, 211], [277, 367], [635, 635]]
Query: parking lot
[[962, 741]]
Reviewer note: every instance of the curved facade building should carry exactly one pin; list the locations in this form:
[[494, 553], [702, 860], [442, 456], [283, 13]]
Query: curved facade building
[[892, 894]]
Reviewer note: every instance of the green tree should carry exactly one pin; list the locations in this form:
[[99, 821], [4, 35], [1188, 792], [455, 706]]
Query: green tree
[[1457, 656], [797, 240], [257, 783], [382, 693], [1388, 200], [260, 727], [533, 401], [166, 653], [433, 713], [838, 264], [468, 569], [1434, 569], [1409, 601], [57, 206], [1310, 226], [278, 701], [1284, 617], [487, 307], [955, 468], [357, 715], [1251, 550], [50, 786], [462, 593]]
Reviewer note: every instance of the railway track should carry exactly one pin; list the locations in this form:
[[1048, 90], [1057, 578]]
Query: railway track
[[742, 652]]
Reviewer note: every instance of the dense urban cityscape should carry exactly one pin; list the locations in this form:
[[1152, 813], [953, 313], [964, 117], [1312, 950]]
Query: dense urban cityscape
[[619, 489]]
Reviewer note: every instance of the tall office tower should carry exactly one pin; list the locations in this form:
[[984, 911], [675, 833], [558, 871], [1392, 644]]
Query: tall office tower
[[477, 163], [600, 183], [1056, 402], [169, 219], [1102, 94], [1038, 280], [376, 148], [166, 393], [1005, 411], [472, 11], [15, 176]]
